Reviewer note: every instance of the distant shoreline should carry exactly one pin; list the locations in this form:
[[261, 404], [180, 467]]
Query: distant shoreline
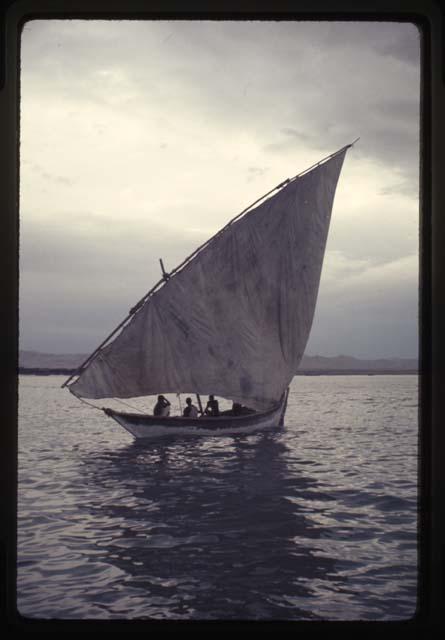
[[26, 371], [357, 372], [303, 372]]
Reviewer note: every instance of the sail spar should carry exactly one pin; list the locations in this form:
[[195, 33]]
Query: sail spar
[[235, 320]]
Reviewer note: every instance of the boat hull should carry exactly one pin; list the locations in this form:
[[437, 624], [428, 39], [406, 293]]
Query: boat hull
[[143, 426]]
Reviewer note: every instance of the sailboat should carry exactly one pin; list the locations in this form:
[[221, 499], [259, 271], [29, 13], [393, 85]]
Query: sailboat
[[232, 320]]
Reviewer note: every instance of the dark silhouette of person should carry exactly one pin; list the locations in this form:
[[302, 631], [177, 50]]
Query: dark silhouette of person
[[212, 407], [162, 407], [190, 411], [237, 409]]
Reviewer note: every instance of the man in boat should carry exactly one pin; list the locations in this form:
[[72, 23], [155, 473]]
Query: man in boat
[[236, 409], [240, 410], [162, 407], [190, 411], [212, 407]]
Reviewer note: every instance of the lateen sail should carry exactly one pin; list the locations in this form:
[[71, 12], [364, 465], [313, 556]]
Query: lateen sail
[[235, 320]]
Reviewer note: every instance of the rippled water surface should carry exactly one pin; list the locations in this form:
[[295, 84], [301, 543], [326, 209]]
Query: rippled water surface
[[316, 520]]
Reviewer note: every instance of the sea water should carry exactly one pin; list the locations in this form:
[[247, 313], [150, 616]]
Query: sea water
[[316, 520]]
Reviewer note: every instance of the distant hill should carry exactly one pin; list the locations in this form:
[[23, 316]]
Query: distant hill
[[34, 360], [349, 363], [37, 360]]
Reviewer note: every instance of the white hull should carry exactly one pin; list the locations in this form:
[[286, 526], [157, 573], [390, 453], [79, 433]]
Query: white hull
[[144, 426]]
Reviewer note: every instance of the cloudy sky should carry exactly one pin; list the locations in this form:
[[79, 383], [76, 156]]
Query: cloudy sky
[[139, 140]]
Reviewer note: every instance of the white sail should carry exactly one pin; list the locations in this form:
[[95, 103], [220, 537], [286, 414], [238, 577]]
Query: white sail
[[235, 320]]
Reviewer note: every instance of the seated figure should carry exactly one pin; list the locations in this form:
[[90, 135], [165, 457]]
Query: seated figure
[[190, 411], [212, 407], [162, 407]]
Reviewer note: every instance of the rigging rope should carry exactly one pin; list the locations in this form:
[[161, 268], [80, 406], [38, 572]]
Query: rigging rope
[[129, 405], [117, 373], [90, 404]]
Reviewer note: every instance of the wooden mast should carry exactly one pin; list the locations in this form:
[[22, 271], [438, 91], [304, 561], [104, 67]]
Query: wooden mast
[[198, 398]]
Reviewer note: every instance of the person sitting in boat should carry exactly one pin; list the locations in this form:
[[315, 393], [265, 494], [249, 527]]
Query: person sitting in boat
[[190, 411], [237, 409], [162, 407], [212, 407], [240, 410]]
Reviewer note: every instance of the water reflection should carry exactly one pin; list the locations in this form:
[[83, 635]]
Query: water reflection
[[318, 518], [208, 529]]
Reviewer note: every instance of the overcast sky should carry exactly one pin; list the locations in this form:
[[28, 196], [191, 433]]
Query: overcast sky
[[139, 140]]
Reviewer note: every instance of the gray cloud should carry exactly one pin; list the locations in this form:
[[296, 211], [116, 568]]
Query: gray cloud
[[64, 180], [267, 94], [376, 322], [331, 73], [76, 285], [404, 188], [403, 48], [256, 172]]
